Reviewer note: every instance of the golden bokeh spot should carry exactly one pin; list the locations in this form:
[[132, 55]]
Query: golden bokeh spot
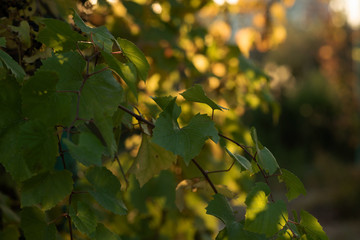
[[118, 9], [220, 30], [278, 12], [214, 82], [259, 20], [288, 3], [279, 34], [201, 63], [244, 39], [218, 69], [132, 144], [326, 52]]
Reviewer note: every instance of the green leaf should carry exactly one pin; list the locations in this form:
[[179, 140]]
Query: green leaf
[[13, 66], [102, 233], [106, 189], [23, 31], [267, 161], [10, 103], [197, 94], [126, 70], [72, 66], [58, 35], [83, 218], [293, 184], [10, 232], [265, 218], [187, 141], [259, 193], [150, 161], [312, 227], [2, 42], [47, 189], [241, 160], [136, 56], [39, 145], [88, 151], [163, 101], [34, 225], [100, 35], [220, 208], [41, 101], [99, 100], [11, 155]]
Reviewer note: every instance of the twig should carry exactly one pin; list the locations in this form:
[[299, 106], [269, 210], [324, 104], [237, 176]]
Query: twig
[[205, 175], [122, 170], [61, 151], [220, 171]]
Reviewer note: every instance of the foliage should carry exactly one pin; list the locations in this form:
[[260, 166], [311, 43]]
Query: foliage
[[62, 143]]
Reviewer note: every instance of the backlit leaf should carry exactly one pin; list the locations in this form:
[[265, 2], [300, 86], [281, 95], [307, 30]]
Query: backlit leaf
[[136, 56], [151, 159], [313, 229], [58, 35], [47, 189], [196, 94], [293, 184], [106, 189], [267, 161], [187, 141], [241, 160], [220, 208], [88, 151], [34, 224]]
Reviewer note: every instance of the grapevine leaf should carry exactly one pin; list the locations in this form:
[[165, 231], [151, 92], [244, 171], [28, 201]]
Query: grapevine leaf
[[258, 193], [126, 70], [88, 151], [13, 66], [99, 100], [267, 161], [39, 144], [293, 184], [241, 160], [47, 189], [83, 218], [23, 30], [134, 54], [2, 42], [162, 102], [41, 101], [236, 231], [312, 227], [220, 208], [58, 35], [151, 159], [11, 156], [197, 94], [72, 66], [265, 218], [187, 141], [10, 233], [10, 103], [100, 35], [102, 233], [34, 225], [106, 189]]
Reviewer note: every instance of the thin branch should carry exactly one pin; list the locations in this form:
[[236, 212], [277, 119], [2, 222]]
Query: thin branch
[[220, 171], [101, 70], [122, 170], [137, 117], [205, 175], [61, 151]]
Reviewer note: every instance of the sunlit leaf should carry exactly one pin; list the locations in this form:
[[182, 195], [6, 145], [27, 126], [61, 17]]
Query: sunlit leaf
[[34, 224], [47, 189], [58, 35], [23, 31], [241, 160], [88, 151], [187, 141], [220, 208], [151, 159], [196, 94], [136, 56], [313, 229], [293, 184], [106, 189]]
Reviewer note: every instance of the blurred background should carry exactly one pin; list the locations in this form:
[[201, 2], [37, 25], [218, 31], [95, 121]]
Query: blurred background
[[290, 68]]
